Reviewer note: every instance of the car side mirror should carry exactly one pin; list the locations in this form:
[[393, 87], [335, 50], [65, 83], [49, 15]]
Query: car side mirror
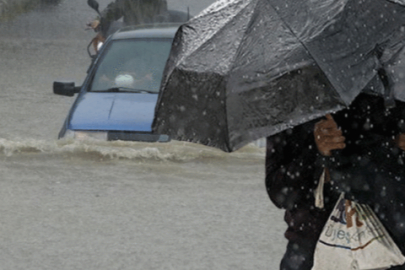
[[65, 88]]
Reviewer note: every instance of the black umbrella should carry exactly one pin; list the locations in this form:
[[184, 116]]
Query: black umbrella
[[247, 69]]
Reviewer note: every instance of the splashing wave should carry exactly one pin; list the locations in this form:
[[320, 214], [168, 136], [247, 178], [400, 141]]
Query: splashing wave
[[173, 151]]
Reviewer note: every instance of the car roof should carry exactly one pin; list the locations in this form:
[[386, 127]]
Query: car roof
[[147, 31]]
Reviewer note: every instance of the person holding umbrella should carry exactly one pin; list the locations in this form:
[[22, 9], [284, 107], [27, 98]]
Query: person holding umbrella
[[271, 68], [362, 148]]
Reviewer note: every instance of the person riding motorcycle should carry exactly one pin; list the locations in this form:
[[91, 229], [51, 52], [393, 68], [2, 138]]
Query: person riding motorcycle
[[133, 12]]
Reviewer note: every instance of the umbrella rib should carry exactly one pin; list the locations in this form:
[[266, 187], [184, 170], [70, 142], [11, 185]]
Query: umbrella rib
[[225, 80], [210, 38], [231, 68], [302, 43]]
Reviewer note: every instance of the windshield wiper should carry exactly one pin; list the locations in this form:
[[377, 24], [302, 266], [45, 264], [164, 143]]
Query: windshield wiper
[[125, 89]]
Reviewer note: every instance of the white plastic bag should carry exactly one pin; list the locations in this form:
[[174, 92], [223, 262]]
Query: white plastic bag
[[354, 238]]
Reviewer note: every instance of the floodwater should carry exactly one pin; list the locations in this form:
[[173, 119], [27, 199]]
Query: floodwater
[[114, 205]]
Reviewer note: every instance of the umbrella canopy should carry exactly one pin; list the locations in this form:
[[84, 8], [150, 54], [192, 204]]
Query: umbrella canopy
[[246, 69]]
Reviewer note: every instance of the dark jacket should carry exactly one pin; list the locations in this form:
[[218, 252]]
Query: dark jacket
[[133, 11], [291, 178], [369, 170]]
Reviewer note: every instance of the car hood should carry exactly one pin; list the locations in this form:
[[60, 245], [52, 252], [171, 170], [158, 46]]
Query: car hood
[[113, 111]]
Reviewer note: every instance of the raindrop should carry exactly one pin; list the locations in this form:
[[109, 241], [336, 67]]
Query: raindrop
[[383, 193]]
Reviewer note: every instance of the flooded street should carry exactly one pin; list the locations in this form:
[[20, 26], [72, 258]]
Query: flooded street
[[114, 205]]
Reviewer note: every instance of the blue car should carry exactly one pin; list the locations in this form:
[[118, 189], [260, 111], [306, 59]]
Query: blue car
[[118, 97]]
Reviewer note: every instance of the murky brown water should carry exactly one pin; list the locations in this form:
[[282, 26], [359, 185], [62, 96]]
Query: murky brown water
[[114, 205]]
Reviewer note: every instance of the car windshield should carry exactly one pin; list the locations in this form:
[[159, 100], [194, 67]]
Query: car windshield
[[132, 65]]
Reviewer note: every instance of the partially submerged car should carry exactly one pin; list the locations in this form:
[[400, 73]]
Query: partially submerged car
[[118, 97]]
